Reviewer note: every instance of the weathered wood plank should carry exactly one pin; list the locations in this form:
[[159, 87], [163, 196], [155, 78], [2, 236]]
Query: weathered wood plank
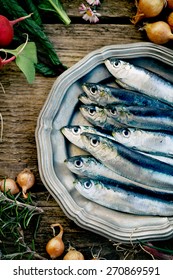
[[75, 41], [121, 8]]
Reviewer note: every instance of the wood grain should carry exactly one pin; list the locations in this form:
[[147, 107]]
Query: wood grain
[[21, 104]]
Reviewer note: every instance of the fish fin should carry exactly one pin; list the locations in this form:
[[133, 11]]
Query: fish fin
[[123, 85]]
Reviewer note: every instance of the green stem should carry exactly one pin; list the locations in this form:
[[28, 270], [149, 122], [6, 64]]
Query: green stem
[[20, 204], [157, 248], [61, 13]]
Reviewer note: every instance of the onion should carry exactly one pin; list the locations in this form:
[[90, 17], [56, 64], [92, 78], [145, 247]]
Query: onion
[[9, 185], [25, 180], [158, 32], [170, 4], [55, 246], [73, 254], [170, 20], [148, 9]]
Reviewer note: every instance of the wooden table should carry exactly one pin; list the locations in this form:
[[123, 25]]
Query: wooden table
[[21, 104]]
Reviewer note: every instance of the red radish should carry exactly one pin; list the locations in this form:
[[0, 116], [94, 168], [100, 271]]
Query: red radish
[[6, 29], [6, 61]]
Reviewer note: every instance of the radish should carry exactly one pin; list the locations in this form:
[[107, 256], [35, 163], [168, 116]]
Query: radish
[[6, 29], [6, 61]]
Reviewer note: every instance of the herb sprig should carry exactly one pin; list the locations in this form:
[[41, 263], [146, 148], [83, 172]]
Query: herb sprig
[[15, 217]]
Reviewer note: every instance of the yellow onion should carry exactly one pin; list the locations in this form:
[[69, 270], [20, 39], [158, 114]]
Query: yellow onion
[[9, 185], [170, 4], [158, 32], [25, 180], [148, 9], [73, 254], [170, 20], [55, 246]]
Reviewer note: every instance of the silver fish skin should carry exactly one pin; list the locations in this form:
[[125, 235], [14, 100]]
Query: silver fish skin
[[128, 163], [167, 160], [73, 133], [88, 166], [104, 95], [153, 142], [85, 99], [123, 200], [144, 118], [97, 116], [140, 79]]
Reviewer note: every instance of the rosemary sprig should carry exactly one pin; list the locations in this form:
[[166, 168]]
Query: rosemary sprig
[[15, 217]]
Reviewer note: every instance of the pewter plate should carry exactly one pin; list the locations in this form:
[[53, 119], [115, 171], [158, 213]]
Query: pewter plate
[[60, 109]]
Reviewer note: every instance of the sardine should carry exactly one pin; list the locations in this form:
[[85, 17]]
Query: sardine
[[144, 118], [88, 166], [129, 163], [120, 199], [140, 79], [97, 116], [85, 99], [153, 142], [73, 133], [104, 95], [168, 160]]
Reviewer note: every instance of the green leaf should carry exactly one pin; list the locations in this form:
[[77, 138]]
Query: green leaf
[[28, 50], [45, 49], [55, 6], [27, 67], [26, 58]]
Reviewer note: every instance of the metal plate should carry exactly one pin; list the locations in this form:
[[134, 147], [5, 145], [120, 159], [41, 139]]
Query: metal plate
[[60, 109]]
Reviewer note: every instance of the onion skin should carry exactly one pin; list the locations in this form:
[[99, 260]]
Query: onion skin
[[25, 180], [55, 246], [170, 4], [158, 32], [170, 20], [9, 185], [73, 254], [147, 9]]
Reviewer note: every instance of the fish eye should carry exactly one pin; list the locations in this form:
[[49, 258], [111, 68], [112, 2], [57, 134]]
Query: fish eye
[[76, 130], [78, 163], [92, 111], [126, 132], [93, 90], [94, 142], [116, 63], [88, 184], [113, 111]]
